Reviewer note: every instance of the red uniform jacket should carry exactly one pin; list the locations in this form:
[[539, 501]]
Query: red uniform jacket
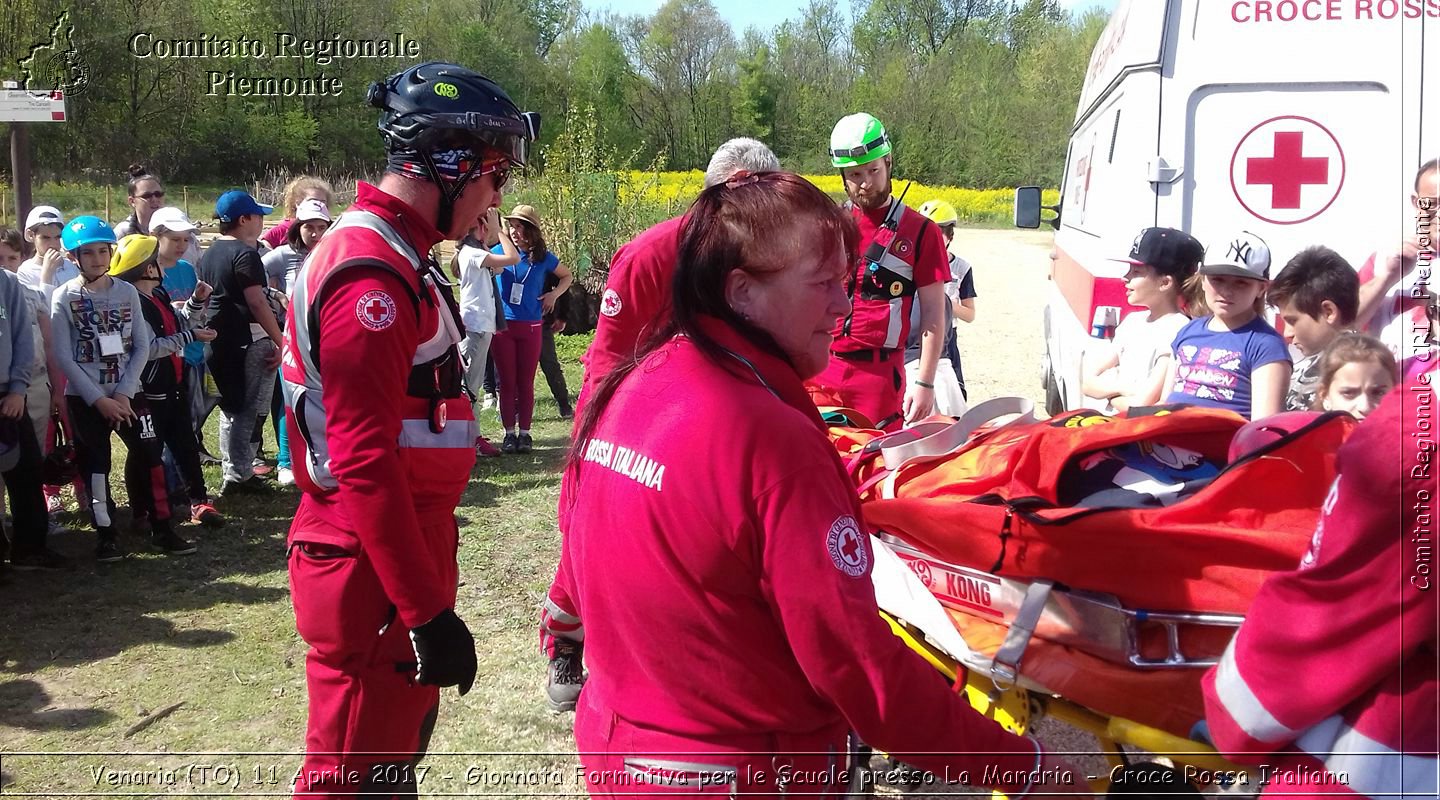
[[713, 545], [1335, 667], [365, 455], [636, 302], [881, 298]]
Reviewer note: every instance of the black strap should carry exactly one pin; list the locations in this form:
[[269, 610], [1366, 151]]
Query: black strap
[[1004, 541], [920, 242], [891, 221]]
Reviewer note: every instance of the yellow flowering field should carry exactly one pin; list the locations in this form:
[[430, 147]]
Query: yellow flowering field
[[975, 206]]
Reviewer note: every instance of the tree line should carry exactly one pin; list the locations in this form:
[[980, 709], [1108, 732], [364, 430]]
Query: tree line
[[977, 93]]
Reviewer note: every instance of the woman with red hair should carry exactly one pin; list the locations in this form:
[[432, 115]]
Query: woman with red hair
[[714, 547]]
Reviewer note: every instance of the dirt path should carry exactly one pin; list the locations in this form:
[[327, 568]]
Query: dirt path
[[1001, 350]]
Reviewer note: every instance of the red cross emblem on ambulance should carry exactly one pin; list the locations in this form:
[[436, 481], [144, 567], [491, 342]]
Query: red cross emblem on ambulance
[[1287, 170]]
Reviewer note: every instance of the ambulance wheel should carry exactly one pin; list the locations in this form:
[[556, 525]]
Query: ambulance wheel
[[1149, 779]]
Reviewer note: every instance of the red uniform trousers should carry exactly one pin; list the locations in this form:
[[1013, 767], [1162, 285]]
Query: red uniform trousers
[[621, 759], [369, 722], [875, 388]]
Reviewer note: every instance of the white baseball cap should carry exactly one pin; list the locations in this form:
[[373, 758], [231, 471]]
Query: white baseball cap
[[312, 209], [172, 219], [43, 215], [1244, 255]]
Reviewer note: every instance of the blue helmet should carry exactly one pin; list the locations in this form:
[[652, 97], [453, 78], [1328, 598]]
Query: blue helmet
[[81, 231]]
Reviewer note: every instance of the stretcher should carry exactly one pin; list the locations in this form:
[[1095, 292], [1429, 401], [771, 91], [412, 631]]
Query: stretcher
[[981, 631], [979, 564]]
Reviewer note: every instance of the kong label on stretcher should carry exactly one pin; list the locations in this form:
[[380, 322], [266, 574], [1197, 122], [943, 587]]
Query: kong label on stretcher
[[958, 587]]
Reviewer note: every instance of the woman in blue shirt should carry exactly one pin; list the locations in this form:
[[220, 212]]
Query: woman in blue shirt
[[516, 349]]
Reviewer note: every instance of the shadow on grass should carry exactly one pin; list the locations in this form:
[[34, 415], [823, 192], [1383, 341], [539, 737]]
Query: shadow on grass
[[496, 477], [95, 611], [25, 704]]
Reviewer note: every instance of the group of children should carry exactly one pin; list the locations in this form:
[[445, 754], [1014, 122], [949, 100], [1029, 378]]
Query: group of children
[[103, 318], [1203, 338], [103, 331]]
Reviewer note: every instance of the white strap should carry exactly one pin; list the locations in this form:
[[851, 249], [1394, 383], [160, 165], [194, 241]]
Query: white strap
[[932, 440], [1005, 667]]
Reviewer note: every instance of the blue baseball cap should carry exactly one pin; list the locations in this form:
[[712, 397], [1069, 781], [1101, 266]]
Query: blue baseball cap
[[236, 203]]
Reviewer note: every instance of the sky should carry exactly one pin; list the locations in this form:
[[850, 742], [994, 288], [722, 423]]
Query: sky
[[766, 14]]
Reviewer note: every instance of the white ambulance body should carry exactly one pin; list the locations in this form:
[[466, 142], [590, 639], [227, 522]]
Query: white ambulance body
[[1303, 121]]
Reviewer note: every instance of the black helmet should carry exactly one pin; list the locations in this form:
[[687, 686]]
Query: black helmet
[[438, 105]]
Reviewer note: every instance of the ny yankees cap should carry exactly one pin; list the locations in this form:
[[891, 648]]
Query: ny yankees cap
[[1244, 255], [1170, 251]]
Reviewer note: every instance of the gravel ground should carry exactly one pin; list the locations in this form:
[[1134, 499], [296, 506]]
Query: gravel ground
[[1001, 349]]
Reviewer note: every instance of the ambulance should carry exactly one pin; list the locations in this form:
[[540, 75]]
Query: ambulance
[[1303, 121]]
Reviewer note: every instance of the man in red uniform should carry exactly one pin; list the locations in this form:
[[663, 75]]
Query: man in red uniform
[[384, 436], [902, 259], [1331, 683], [637, 289], [636, 303]]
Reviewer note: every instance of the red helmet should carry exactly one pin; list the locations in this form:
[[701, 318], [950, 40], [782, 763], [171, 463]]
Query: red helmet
[[1263, 432]]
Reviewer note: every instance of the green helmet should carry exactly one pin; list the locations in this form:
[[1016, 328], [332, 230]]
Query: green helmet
[[858, 139]]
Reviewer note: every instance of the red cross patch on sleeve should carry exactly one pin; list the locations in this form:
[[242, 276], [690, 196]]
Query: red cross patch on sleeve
[[610, 303], [375, 310], [847, 547]]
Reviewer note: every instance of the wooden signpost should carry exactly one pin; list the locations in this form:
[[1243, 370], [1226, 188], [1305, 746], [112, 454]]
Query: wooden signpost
[[20, 107]]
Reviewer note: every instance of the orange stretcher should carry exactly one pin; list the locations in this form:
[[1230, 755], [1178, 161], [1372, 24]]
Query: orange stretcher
[[975, 574]]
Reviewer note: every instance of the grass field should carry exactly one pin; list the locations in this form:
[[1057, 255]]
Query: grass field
[[87, 653]]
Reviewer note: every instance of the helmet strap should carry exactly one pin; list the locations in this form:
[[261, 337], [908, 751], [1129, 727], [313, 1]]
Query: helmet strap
[[450, 191]]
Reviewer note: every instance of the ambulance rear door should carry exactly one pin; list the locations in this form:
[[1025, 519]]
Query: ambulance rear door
[[1303, 120]]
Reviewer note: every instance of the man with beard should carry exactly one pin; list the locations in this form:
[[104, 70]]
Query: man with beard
[[902, 260]]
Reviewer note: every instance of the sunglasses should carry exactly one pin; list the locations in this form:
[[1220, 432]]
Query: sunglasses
[[500, 169], [155, 195]]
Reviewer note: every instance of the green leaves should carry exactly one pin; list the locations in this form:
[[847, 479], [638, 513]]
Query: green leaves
[[974, 92]]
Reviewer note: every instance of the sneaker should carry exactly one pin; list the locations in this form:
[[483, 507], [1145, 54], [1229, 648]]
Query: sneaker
[[108, 551], [44, 558], [261, 469], [484, 448], [206, 458], [566, 676], [172, 543], [287, 476], [526, 444], [490, 401], [251, 485], [511, 444], [205, 514], [567, 413]]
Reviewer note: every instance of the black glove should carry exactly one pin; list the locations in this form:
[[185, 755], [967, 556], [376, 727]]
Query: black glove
[[445, 652]]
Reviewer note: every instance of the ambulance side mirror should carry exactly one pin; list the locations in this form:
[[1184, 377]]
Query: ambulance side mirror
[[1028, 208]]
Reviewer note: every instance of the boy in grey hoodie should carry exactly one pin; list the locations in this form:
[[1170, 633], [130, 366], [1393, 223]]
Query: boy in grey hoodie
[[102, 342], [19, 449]]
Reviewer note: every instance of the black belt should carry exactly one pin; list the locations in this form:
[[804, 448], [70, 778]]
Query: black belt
[[872, 355]]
